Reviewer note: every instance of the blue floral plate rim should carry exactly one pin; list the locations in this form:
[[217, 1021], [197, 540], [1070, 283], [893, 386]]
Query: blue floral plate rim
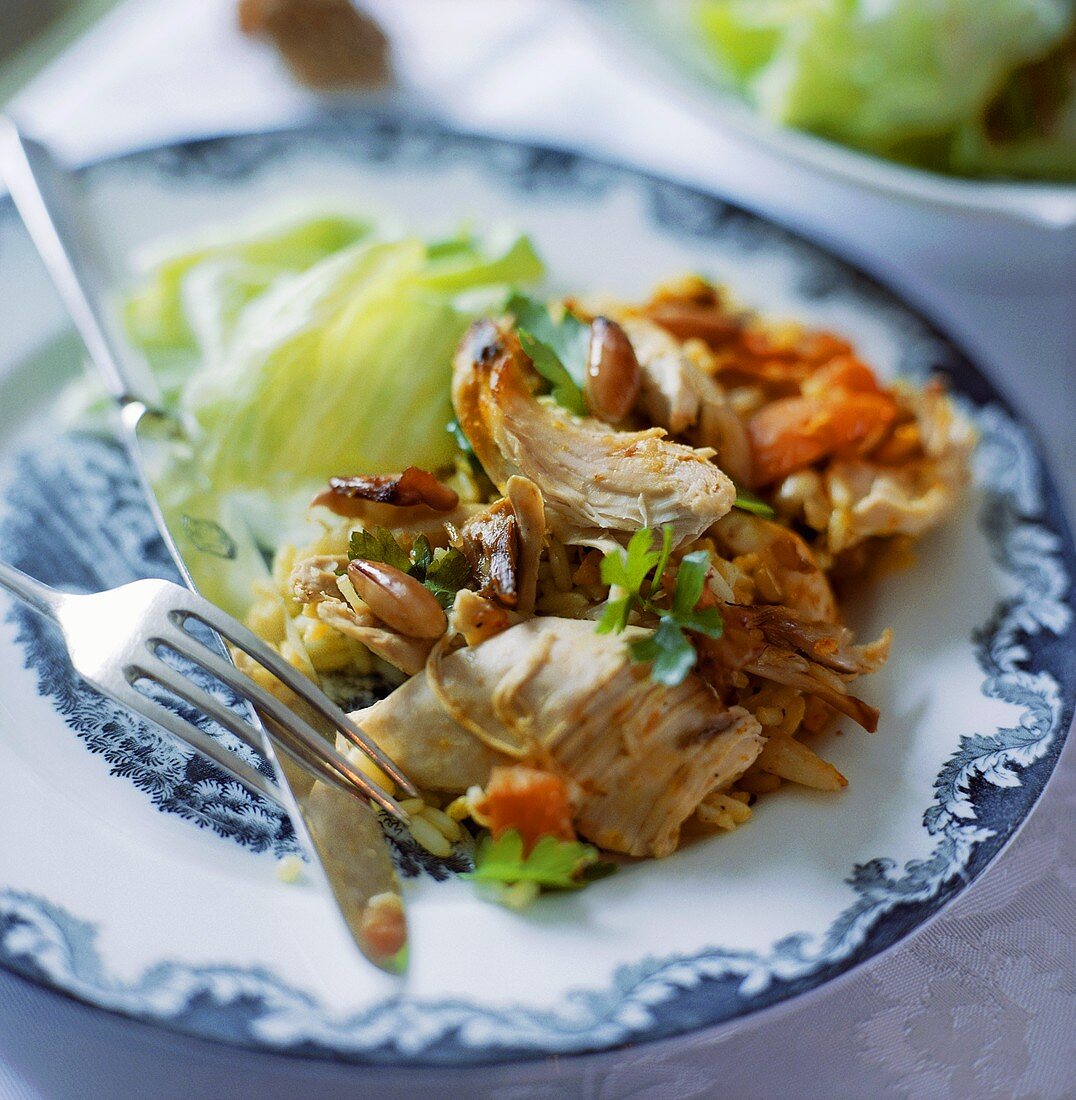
[[980, 806]]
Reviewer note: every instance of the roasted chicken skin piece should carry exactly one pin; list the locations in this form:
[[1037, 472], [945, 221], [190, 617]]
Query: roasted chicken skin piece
[[598, 484], [639, 755]]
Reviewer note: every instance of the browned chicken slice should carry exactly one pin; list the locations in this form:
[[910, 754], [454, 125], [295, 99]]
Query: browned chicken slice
[[596, 482], [641, 755]]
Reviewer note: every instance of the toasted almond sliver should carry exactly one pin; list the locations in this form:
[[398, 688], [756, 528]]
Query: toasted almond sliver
[[793, 760]]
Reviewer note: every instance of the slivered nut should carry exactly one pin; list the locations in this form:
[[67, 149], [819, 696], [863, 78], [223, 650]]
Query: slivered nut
[[613, 374], [399, 601]]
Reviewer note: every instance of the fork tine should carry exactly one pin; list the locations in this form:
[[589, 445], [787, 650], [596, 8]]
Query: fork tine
[[300, 734], [309, 760], [129, 696], [254, 647], [224, 716]]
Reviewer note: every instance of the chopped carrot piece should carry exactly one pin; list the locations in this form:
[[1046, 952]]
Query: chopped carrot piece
[[785, 436], [383, 925], [529, 799], [846, 372], [795, 432]]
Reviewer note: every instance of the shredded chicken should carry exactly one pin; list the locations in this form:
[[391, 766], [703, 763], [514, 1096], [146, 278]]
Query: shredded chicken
[[820, 659], [678, 395], [853, 500], [642, 756], [596, 482], [516, 691]]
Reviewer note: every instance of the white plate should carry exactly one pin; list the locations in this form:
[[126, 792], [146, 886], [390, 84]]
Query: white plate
[[132, 877], [659, 36]]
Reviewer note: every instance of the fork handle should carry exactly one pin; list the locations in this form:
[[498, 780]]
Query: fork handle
[[32, 593]]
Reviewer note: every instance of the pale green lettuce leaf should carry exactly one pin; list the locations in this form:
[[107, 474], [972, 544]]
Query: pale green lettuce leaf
[[344, 368], [901, 78], [155, 314]]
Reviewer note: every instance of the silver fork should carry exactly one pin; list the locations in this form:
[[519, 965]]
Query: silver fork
[[115, 639]]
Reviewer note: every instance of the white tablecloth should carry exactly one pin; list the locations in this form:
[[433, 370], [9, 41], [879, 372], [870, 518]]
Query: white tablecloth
[[980, 1004]]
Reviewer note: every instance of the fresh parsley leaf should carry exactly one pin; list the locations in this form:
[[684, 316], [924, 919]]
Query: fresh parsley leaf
[[557, 348], [379, 545], [628, 570], [546, 362], [421, 557], [446, 575], [663, 560], [690, 578], [668, 647], [552, 863], [708, 621], [748, 502], [456, 431], [567, 337], [615, 616]]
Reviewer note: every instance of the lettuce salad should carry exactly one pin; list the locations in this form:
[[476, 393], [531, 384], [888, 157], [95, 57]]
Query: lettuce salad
[[972, 87], [318, 346]]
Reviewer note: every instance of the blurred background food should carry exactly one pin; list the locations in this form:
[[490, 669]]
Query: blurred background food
[[326, 43], [971, 87]]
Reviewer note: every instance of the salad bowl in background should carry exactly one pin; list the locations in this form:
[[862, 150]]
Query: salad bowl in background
[[133, 877], [663, 38]]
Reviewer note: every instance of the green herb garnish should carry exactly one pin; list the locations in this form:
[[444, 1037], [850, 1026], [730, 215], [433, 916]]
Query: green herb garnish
[[748, 502], [668, 647], [456, 431], [464, 444], [552, 864], [558, 348], [379, 545], [444, 575]]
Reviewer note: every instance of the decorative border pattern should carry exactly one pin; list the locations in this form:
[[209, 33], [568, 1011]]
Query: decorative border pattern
[[110, 538], [981, 795]]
